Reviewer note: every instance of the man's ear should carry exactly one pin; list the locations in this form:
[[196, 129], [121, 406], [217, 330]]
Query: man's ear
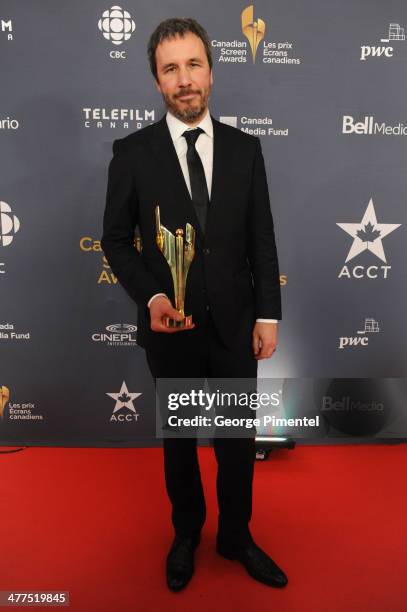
[[211, 77], [157, 84]]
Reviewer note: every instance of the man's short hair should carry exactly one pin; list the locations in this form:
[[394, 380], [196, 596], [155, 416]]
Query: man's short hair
[[170, 28]]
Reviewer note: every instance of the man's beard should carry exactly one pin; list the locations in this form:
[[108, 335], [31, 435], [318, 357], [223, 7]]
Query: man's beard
[[188, 112]]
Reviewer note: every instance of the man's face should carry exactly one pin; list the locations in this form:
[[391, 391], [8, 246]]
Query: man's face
[[184, 77]]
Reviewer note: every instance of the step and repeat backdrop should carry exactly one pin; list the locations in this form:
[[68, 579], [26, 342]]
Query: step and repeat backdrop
[[323, 85]]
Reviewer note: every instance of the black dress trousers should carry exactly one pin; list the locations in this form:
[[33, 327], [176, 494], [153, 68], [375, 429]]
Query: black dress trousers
[[199, 354]]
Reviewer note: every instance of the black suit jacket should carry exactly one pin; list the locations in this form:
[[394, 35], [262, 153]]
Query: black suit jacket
[[235, 270]]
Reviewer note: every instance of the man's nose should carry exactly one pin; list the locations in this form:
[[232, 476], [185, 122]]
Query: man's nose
[[184, 78]]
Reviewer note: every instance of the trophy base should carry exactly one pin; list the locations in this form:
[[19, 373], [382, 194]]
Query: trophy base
[[185, 322]]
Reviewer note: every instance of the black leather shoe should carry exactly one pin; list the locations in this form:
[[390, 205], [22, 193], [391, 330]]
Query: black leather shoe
[[257, 563], [180, 561]]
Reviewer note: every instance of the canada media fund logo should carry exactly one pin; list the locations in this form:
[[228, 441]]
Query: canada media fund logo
[[256, 47]]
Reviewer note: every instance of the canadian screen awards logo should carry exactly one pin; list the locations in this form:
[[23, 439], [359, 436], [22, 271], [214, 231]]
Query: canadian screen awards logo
[[16, 411], [367, 235], [255, 47], [117, 26], [395, 35], [124, 410]]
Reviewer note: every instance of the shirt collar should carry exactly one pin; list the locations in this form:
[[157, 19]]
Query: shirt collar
[[177, 127]]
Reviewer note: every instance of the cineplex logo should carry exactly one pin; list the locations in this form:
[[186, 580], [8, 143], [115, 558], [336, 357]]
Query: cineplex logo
[[395, 35], [134, 118], [362, 336], [124, 400], [369, 126], [255, 47], [117, 26], [117, 334], [6, 27], [367, 236]]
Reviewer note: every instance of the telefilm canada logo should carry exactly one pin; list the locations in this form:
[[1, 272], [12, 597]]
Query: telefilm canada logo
[[116, 26], [117, 334], [124, 410], [6, 28], [368, 126], [367, 235], [112, 118], [256, 126], [9, 226], [256, 47], [16, 411], [361, 339], [395, 35]]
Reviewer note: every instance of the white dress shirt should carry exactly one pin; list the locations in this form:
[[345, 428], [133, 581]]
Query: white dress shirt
[[204, 147]]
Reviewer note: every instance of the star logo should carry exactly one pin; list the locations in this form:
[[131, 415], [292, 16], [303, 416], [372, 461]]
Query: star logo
[[368, 234], [124, 399]]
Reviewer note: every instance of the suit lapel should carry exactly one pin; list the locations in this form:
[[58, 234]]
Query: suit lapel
[[168, 163], [220, 165]]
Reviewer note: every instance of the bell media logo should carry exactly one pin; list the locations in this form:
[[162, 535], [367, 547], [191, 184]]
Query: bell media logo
[[367, 235], [6, 26]]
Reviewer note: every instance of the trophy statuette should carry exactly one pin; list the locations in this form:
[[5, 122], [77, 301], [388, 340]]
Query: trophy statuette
[[179, 253]]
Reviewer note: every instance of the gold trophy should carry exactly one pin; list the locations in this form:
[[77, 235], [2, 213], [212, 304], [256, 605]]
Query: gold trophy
[[179, 253]]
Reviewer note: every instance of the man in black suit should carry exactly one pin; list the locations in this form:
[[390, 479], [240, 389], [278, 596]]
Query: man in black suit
[[211, 175]]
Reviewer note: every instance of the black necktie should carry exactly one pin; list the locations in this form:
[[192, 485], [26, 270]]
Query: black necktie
[[199, 188]]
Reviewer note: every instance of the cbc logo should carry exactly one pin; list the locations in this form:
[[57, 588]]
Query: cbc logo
[[117, 26], [9, 224]]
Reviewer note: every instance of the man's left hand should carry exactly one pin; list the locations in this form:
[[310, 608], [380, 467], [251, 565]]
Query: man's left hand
[[264, 340]]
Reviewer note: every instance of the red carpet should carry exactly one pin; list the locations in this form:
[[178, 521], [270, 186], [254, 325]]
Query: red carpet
[[95, 522]]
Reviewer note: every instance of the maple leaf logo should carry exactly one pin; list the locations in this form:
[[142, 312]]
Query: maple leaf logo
[[369, 234], [124, 398]]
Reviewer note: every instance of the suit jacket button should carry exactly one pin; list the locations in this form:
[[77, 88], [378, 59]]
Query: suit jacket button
[[206, 251]]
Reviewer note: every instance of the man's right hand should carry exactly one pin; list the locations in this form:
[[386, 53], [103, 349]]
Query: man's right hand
[[161, 307]]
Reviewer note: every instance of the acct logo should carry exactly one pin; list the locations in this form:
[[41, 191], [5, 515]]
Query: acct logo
[[255, 46], [361, 339], [9, 224], [124, 399], [123, 118], [6, 27], [367, 235], [118, 334], [395, 34], [256, 126], [117, 26]]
